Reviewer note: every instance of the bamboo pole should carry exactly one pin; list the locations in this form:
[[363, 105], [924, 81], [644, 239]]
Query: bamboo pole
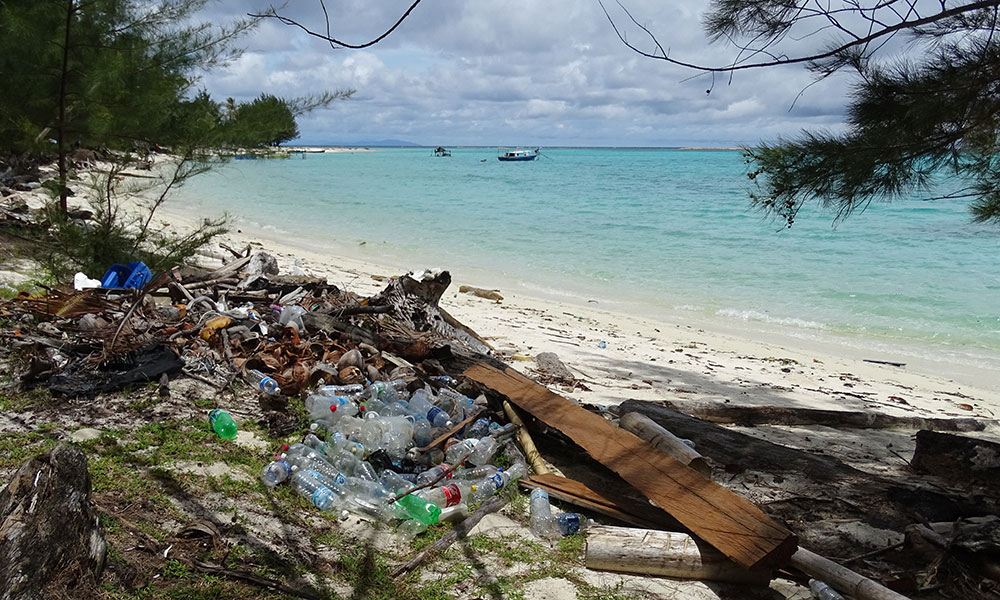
[[663, 440], [530, 451], [841, 578]]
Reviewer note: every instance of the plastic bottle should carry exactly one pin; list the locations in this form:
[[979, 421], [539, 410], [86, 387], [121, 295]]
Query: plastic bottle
[[542, 523], [433, 473], [222, 423], [476, 472], [483, 453], [821, 591], [419, 404], [458, 451], [451, 494], [291, 316], [349, 391], [387, 391], [411, 528], [477, 429], [344, 444], [488, 486], [263, 382], [570, 523], [421, 509], [454, 514], [421, 431], [275, 472], [309, 487]]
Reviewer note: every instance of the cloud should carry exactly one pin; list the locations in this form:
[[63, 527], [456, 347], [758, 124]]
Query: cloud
[[520, 71]]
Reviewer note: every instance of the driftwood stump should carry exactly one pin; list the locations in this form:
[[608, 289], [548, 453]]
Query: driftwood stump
[[415, 300], [49, 533]]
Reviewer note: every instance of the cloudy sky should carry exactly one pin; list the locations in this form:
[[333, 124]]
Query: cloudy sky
[[518, 72]]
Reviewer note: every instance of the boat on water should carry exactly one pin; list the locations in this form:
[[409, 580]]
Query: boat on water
[[519, 155], [442, 151]]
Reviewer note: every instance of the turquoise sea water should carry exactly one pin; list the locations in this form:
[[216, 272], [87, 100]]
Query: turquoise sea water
[[655, 232]]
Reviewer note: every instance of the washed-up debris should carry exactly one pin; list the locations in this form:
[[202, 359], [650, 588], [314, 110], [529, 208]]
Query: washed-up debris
[[405, 431]]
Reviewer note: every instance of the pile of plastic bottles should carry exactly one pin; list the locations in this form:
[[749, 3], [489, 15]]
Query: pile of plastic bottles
[[362, 453]]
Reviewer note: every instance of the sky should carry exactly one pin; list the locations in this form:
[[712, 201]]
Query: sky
[[519, 73]]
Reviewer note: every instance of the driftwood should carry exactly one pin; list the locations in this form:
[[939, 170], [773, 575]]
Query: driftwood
[[957, 458], [481, 292], [48, 528], [841, 578], [416, 307], [663, 440], [729, 522], [665, 554], [783, 415], [862, 496]]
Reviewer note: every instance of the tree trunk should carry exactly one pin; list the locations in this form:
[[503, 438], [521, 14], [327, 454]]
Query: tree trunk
[[958, 458], [665, 554], [61, 128], [49, 533], [783, 415]]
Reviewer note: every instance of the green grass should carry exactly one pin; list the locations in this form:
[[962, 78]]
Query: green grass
[[510, 549]]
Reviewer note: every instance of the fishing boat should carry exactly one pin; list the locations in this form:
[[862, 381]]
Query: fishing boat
[[519, 155]]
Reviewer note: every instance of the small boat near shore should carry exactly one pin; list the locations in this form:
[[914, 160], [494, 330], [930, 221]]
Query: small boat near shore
[[519, 155]]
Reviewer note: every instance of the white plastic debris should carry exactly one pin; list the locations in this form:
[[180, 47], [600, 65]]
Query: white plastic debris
[[82, 282]]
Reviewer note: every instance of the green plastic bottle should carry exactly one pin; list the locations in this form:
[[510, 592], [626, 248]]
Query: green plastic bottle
[[222, 423]]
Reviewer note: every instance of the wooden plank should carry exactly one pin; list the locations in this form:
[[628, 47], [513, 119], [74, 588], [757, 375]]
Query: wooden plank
[[623, 509], [728, 522]]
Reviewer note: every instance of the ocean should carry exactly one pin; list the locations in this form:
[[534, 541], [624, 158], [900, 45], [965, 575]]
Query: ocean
[[661, 233]]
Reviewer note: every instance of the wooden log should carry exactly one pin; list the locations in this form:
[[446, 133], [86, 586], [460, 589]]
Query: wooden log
[[716, 412], [664, 553], [730, 523], [619, 507], [661, 439], [841, 578], [957, 458], [530, 451]]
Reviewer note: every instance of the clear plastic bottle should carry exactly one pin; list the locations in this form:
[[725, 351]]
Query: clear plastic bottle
[[542, 523], [263, 382], [458, 451], [488, 486], [450, 494], [275, 472], [291, 316], [222, 423], [411, 528], [421, 431], [309, 487], [477, 428], [344, 444], [434, 472], [476, 472], [822, 591], [419, 404], [454, 514], [483, 453], [351, 391]]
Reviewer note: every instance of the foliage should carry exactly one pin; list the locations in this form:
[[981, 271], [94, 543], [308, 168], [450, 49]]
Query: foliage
[[911, 122], [123, 228]]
